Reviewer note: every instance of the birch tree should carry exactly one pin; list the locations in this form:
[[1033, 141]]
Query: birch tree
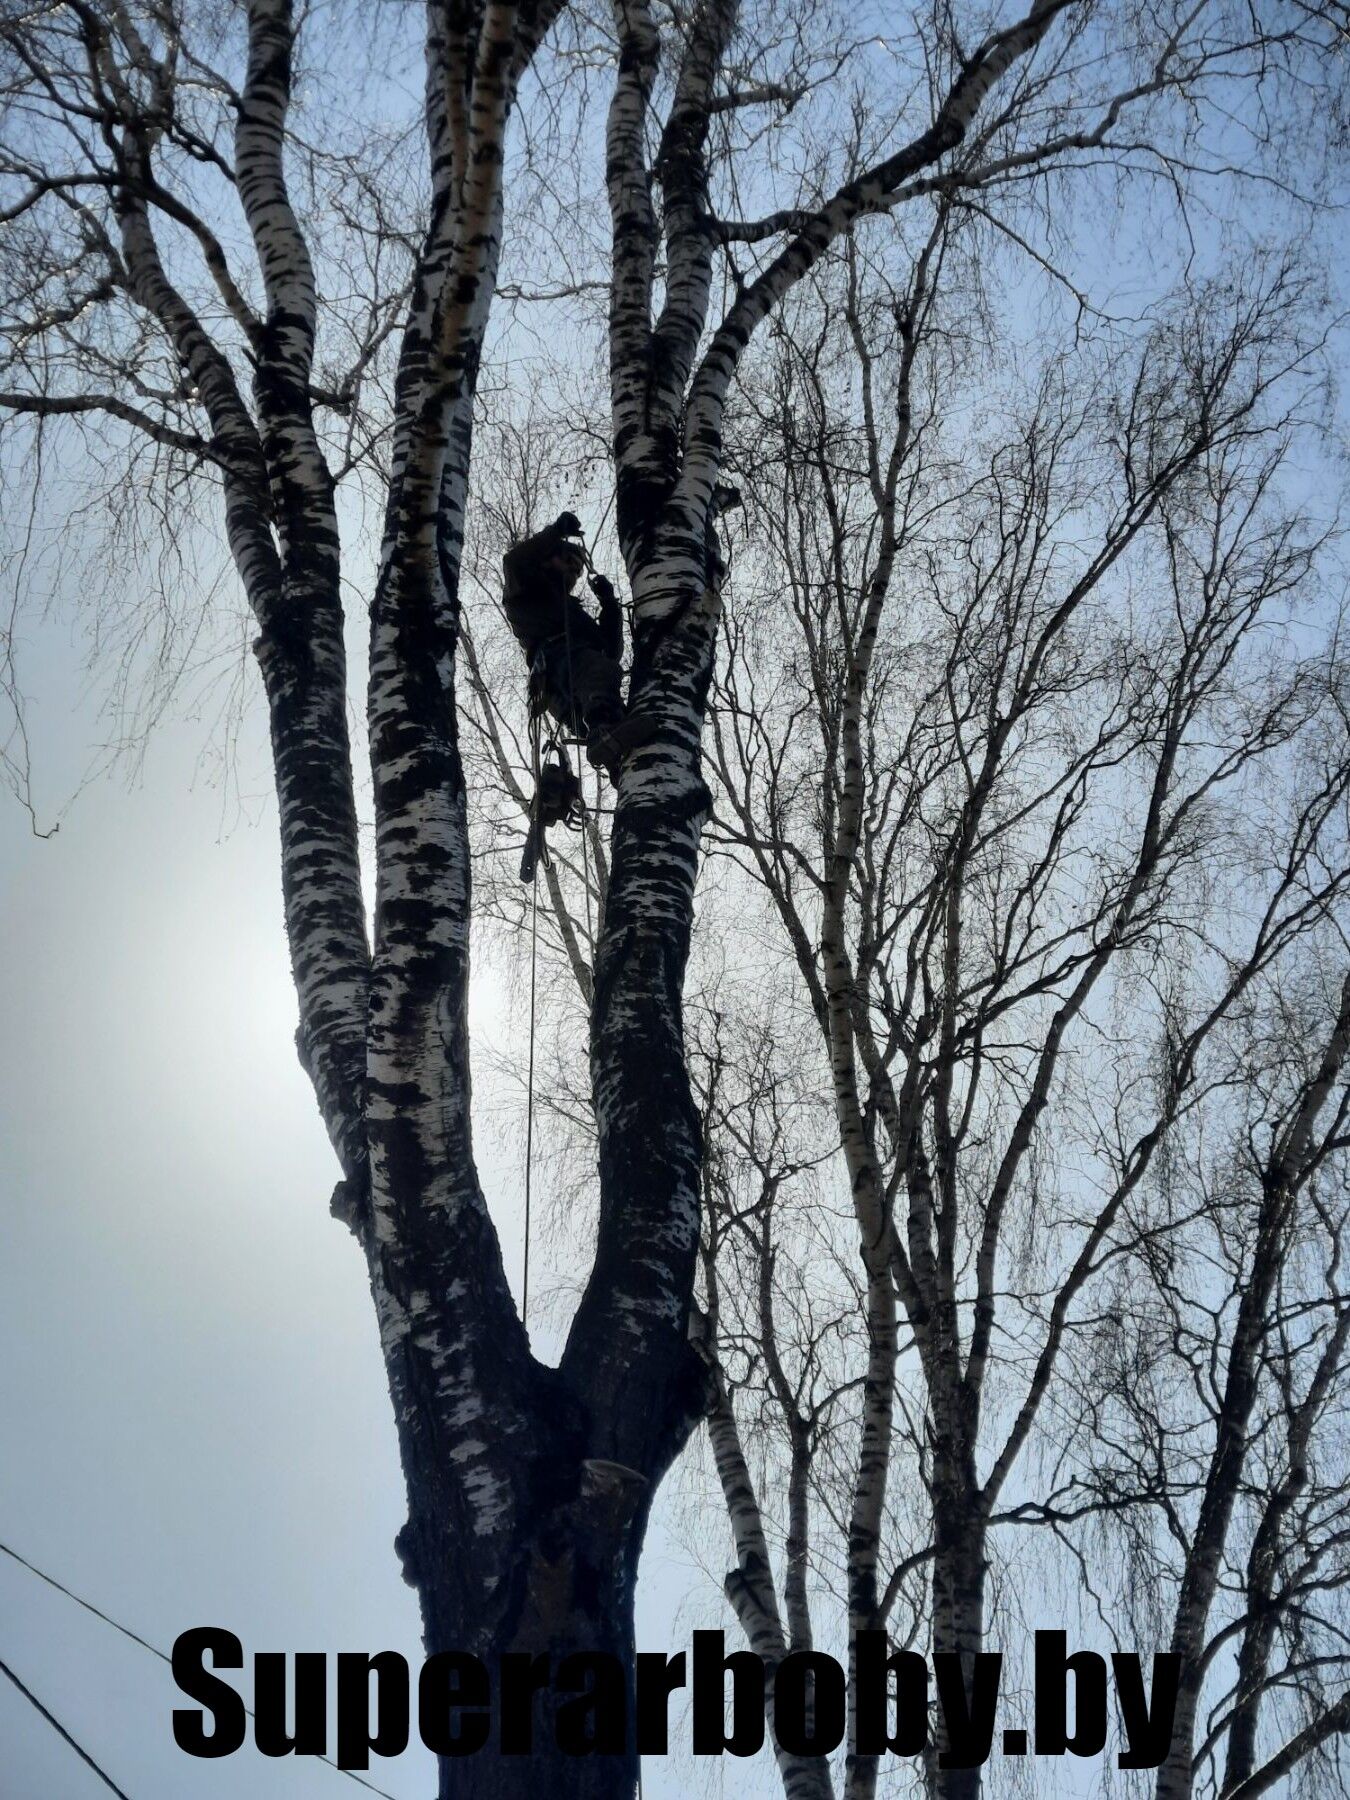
[[1121, 579], [171, 297], [1262, 1572], [964, 977]]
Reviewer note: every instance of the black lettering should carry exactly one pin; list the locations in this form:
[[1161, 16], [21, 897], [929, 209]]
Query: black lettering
[[873, 1670], [657, 1678], [522, 1678], [454, 1681], [809, 1703], [1148, 1729], [1053, 1668], [310, 1737], [226, 1708], [711, 1666], [354, 1741], [969, 1722], [595, 1723]]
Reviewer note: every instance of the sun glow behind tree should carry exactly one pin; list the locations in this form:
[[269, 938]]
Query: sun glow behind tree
[[224, 318]]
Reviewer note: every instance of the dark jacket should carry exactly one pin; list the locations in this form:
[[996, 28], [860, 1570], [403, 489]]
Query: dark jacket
[[539, 606]]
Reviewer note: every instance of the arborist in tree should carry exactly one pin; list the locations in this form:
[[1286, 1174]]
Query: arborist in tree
[[575, 663]]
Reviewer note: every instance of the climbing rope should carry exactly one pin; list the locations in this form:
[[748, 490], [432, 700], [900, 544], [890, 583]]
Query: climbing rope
[[586, 868], [529, 1095], [555, 739], [534, 974]]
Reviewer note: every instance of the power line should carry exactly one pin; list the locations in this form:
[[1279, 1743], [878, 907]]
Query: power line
[[88, 1605], [145, 1644], [58, 1727]]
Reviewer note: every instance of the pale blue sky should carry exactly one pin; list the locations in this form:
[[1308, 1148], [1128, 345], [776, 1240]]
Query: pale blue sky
[[192, 1399]]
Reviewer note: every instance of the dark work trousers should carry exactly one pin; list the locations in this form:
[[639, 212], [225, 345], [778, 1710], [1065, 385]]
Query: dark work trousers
[[583, 688]]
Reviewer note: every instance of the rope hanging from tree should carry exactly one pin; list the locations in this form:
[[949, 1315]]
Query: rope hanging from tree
[[574, 813]]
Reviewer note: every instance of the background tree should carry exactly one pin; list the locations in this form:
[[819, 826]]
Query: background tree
[[1027, 914], [165, 287], [1111, 645]]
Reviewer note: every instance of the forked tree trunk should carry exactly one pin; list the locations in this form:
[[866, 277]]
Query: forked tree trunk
[[528, 1486]]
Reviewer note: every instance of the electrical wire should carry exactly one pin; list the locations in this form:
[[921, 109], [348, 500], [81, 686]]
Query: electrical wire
[[145, 1644], [61, 1731]]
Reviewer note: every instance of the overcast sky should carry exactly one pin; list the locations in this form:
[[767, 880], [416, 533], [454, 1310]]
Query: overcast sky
[[193, 1411], [192, 1401]]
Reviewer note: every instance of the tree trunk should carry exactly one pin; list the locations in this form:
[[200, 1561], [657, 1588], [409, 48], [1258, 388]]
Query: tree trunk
[[568, 1591], [958, 1621]]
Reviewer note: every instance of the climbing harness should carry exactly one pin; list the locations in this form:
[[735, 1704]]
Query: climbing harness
[[557, 795]]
